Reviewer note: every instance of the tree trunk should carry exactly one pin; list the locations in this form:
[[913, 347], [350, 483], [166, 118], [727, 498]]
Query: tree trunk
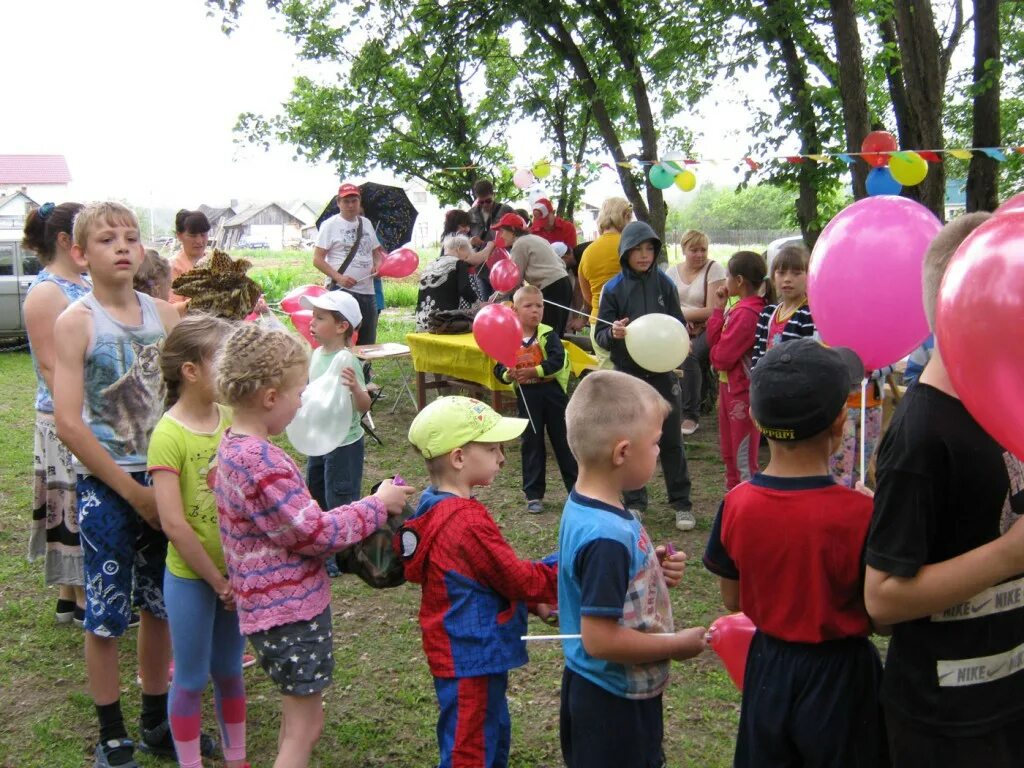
[[983, 171], [920, 51], [780, 36], [894, 78], [852, 88]]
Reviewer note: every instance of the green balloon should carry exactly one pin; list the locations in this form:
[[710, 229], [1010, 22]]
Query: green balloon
[[660, 178]]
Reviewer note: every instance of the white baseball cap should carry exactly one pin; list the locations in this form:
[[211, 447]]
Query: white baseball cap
[[336, 301]]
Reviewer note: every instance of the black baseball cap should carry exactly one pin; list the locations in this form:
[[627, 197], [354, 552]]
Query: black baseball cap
[[797, 389]]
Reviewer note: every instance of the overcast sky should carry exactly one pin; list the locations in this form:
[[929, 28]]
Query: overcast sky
[[141, 97]]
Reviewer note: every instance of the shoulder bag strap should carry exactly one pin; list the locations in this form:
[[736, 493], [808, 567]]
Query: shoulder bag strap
[[355, 247]]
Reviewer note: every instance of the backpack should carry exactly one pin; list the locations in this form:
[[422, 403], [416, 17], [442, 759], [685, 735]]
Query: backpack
[[374, 559]]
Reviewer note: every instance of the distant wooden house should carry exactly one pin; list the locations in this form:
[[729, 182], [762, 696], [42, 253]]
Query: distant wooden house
[[218, 218], [40, 177], [268, 222]]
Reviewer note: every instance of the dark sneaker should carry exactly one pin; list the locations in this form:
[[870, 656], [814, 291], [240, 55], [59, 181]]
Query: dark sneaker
[[133, 621], [158, 742], [79, 617], [535, 507], [115, 753], [65, 611]]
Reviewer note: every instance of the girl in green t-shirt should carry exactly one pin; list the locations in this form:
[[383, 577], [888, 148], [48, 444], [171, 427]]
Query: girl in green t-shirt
[[205, 638]]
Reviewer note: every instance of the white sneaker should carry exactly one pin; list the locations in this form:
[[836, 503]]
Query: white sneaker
[[689, 426], [685, 521]]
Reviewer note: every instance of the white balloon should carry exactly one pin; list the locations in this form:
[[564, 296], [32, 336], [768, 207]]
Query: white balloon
[[325, 416], [657, 342]]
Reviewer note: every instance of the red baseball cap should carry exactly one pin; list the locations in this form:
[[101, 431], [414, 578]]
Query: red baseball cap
[[510, 221], [348, 190], [543, 205]]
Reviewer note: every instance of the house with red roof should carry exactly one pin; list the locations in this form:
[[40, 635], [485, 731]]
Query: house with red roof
[[40, 177]]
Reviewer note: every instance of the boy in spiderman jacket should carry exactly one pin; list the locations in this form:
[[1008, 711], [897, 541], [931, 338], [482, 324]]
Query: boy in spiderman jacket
[[471, 614]]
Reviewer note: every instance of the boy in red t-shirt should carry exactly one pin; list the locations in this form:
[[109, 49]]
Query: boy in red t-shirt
[[787, 548]]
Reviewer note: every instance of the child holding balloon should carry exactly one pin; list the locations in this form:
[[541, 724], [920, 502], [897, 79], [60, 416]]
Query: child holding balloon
[[787, 549], [640, 289], [945, 557], [337, 477], [731, 337], [275, 535]]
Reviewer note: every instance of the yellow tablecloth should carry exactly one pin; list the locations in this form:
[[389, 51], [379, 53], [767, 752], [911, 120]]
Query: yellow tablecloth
[[458, 355]]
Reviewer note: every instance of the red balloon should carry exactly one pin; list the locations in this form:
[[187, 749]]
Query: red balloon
[[730, 639], [505, 276], [498, 332], [290, 302], [301, 320], [400, 263], [497, 254], [1015, 203], [878, 141], [978, 322]]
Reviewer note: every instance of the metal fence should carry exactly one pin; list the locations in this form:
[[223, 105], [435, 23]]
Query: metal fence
[[737, 236]]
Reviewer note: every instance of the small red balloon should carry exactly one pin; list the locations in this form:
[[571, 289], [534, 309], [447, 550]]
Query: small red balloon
[[290, 302], [301, 321], [400, 263], [730, 639], [505, 276], [498, 332], [878, 142], [496, 256]]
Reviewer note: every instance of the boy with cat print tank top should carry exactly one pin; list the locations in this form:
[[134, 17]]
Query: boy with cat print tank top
[[108, 396]]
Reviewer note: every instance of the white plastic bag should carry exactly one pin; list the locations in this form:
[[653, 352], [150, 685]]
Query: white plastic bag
[[325, 415]]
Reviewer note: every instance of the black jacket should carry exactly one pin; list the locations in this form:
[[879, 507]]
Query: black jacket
[[634, 294]]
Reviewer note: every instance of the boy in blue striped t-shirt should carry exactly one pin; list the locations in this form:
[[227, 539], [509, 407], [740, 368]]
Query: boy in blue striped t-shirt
[[613, 582]]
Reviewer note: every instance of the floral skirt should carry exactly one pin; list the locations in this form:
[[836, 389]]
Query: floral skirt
[[54, 533]]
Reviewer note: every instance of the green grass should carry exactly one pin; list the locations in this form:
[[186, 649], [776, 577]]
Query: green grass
[[381, 709]]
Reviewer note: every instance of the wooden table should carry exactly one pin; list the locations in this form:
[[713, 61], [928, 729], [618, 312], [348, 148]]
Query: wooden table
[[456, 360]]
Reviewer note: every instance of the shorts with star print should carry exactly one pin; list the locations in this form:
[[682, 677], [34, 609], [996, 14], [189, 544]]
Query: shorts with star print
[[298, 657]]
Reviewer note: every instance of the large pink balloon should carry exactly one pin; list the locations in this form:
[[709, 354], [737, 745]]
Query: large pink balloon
[[1015, 203], [504, 276], [864, 283], [730, 638], [979, 320], [290, 302], [498, 333], [400, 263]]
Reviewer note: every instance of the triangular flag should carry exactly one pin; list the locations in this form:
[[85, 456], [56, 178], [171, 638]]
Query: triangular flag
[[931, 157], [995, 154], [819, 158], [959, 154], [750, 162], [845, 158], [795, 159], [903, 155], [625, 164]]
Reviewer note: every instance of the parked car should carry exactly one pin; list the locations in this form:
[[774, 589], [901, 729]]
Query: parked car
[[18, 268], [253, 242]]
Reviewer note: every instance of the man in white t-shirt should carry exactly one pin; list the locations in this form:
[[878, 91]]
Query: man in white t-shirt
[[334, 243]]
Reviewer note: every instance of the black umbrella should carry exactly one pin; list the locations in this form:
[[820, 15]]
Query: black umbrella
[[388, 209]]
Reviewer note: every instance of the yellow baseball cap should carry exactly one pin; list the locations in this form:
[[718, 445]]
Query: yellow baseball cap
[[451, 422]]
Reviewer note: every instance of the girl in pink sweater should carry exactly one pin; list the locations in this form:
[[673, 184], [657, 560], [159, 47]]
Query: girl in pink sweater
[[731, 335], [275, 535]]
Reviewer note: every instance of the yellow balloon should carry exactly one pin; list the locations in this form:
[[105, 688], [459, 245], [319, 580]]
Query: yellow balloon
[[686, 181], [908, 168], [542, 169]]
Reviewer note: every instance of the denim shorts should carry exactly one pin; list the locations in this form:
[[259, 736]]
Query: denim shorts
[[124, 558], [298, 657]]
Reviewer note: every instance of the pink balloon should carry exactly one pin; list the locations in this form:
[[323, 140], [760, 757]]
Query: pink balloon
[[301, 320], [1015, 203], [730, 638], [523, 178], [498, 332], [497, 254], [504, 276], [978, 321], [400, 263], [864, 283], [290, 302]]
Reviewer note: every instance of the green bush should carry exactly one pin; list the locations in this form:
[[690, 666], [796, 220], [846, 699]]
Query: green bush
[[400, 293], [276, 282]]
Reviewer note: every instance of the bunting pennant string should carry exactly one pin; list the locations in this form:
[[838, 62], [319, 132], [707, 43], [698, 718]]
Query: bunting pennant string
[[541, 168]]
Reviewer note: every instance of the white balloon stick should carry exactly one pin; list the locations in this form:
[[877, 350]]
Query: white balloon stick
[[578, 312], [863, 422], [529, 638]]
